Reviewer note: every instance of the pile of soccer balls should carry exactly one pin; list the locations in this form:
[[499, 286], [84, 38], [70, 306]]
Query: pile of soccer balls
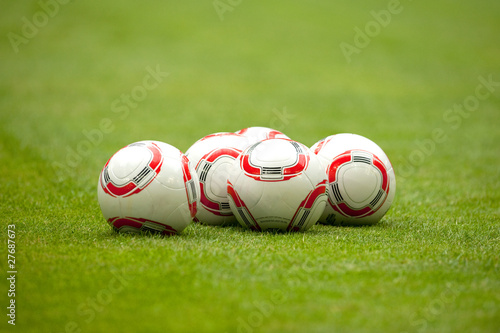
[[257, 177]]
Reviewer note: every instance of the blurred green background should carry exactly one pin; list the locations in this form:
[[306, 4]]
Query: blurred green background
[[75, 87]]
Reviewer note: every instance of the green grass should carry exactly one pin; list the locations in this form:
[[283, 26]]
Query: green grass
[[430, 265]]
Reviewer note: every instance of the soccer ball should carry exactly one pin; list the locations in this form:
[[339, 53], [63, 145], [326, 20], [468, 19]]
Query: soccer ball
[[361, 180], [257, 133], [148, 186], [277, 184], [210, 157]]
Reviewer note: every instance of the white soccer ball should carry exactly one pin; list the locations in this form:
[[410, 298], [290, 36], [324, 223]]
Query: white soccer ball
[[361, 180], [277, 184], [258, 133], [148, 186], [210, 157]]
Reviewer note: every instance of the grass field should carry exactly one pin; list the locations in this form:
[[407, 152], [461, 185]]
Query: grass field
[[421, 78]]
